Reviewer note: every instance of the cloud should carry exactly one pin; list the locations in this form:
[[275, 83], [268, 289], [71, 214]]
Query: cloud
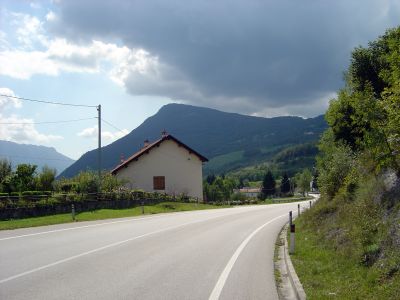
[[6, 102], [62, 56], [257, 57], [17, 129], [28, 30], [92, 132], [237, 55]]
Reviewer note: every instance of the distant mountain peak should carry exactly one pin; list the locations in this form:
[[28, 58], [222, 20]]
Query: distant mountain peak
[[34, 154], [208, 131]]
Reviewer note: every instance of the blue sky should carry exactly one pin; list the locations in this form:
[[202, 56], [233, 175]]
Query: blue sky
[[263, 58]]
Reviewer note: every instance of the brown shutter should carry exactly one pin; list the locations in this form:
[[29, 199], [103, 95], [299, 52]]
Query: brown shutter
[[159, 182]]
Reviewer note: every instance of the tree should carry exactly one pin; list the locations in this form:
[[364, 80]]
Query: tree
[[45, 179], [210, 179], [110, 183], [268, 185], [303, 181], [366, 114], [25, 177], [285, 184], [5, 170]]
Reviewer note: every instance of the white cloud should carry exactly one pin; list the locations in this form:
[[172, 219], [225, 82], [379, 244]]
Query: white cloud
[[51, 16], [23, 133], [6, 102], [92, 132], [62, 56], [29, 30], [17, 129]]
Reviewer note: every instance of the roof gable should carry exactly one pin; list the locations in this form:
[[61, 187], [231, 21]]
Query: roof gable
[[157, 143]]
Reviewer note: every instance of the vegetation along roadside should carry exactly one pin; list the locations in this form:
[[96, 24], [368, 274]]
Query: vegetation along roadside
[[347, 245]]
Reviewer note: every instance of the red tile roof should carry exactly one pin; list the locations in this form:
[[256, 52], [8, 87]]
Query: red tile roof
[[154, 144]]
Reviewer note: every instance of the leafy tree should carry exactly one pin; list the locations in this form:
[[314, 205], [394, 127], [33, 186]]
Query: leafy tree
[[366, 114], [268, 185], [87, 182], [25, 177], [210, 179], [314, 184], [46, 179], [285, 184], [220, 189], [110, 183], [5, 170], [303, 181]]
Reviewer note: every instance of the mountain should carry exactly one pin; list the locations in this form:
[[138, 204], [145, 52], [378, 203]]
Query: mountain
[[32, 154], [211, 132]]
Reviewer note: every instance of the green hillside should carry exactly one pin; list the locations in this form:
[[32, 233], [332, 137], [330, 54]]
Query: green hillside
[[229, 140]]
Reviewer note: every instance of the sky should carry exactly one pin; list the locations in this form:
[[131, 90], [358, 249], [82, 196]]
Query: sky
[[255, 57]]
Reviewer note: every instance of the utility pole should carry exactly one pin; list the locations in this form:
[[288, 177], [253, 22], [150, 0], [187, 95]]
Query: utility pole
[[99, 146]]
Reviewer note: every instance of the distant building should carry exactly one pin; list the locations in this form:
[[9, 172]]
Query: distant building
[[166, 166], [249, 192]]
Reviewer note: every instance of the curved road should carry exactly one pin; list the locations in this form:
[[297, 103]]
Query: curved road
[[210, 254]]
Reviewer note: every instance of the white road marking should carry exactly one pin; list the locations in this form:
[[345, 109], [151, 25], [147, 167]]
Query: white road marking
[[113, 222], [72, 228], [96, 225], [97, 250], [216, 292]]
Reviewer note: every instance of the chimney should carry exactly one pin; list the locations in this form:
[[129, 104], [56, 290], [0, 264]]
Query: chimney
[[164, 133], [146, 143]]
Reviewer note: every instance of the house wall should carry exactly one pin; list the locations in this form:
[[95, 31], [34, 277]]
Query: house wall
[[182, 170]]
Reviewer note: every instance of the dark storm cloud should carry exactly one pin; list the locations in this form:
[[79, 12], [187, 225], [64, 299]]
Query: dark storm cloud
[[264, 54]]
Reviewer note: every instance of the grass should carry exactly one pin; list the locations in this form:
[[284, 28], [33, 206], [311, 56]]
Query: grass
[[327, 274], [104, 214]]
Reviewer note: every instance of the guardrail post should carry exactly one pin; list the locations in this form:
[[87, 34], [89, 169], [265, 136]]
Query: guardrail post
[[310, 203], [73, 212], [298, 209], [292, 239], [290, 218], [142, 207]]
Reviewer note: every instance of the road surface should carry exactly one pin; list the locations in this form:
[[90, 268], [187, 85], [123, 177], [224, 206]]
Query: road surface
[[210, 254]]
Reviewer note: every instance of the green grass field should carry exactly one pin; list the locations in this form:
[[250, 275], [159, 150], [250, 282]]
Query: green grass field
[[326, 274], [105, 214]]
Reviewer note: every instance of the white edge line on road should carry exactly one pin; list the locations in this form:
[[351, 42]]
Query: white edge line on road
[[104, 223], [95, 225], [96, 250], [72, 228], [216, 292]]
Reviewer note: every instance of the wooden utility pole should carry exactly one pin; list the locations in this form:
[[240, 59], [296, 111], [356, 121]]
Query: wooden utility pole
[[99, 147]]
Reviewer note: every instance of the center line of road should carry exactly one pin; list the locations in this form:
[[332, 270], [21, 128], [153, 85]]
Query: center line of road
[[100, 249], [216, 292]]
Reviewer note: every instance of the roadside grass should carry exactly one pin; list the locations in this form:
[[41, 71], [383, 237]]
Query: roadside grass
[[277, 273], [328, 274], [288, 199], [105, 214]]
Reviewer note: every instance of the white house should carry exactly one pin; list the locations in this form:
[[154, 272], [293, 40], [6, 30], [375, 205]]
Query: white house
[[167, 166]]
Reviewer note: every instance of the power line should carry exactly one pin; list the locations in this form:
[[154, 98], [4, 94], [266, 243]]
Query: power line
[[47, 122], [48, 102], [115, 127]]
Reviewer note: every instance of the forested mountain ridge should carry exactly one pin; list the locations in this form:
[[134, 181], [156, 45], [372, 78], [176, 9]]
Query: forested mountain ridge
[[210, 132]]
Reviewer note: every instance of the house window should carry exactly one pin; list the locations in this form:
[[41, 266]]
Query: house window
[[159, 182]]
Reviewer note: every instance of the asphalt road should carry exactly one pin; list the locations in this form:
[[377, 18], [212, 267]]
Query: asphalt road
[[212, 254]]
